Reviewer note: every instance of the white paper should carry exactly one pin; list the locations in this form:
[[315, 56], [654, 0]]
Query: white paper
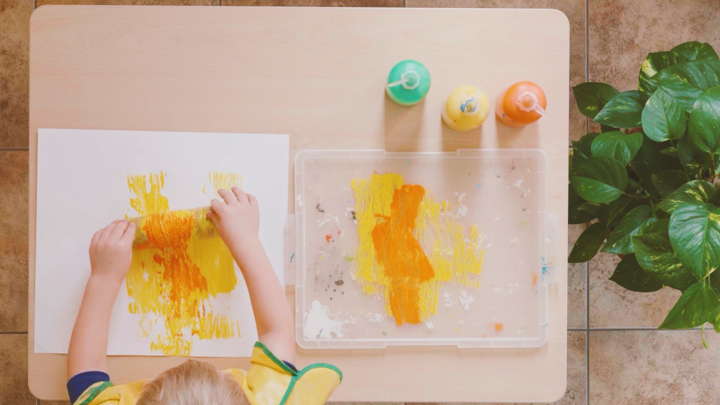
[[82, 186]]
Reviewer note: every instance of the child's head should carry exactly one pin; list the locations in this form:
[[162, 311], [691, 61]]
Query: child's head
[[192, 383]]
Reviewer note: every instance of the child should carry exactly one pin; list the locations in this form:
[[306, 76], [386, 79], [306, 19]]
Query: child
[[268, 381]]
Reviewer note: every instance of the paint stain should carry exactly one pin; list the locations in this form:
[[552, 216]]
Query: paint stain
[[405, 263], [329, 238], [409, 245], [179, 266], [498, 327]]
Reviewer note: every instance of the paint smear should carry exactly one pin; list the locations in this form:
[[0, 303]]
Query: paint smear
[[318, 323], [177, 268], [409, 245]]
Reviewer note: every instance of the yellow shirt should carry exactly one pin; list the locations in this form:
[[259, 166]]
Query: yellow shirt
[[268, 381]]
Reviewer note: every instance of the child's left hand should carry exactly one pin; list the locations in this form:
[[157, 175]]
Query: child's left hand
[[111, 250]]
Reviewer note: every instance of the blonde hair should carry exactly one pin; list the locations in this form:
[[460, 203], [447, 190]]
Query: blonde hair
[[192, 383]]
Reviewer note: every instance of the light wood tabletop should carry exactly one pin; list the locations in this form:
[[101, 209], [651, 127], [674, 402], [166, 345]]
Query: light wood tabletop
[[317, 74]]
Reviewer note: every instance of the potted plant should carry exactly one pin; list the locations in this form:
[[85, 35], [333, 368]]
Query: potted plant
[[647, 182]]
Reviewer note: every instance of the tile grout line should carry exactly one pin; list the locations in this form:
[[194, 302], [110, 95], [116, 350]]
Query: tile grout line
[[587, 264], [641, 329]]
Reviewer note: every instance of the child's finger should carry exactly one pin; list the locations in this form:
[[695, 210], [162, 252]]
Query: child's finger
[[212, 216], [239, 194], [129, 235], [227, 196], [252, 199], [103, 233], [216, 206], [118, 230]]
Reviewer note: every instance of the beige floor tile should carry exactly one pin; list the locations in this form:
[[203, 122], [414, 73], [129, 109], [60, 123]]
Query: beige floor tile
[[13, 377], [133, 2], [654, 368], [622, 33], [13, 241], [612, 306], [577, 377], [316, 3], [14, 26]]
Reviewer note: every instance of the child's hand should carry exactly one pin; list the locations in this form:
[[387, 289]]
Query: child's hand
[[237, 217], [111, 250]]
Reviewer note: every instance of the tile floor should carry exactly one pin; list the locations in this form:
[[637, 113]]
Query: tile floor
[[615, 355]]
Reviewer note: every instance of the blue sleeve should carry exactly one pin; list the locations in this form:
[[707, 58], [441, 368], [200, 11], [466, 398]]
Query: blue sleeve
[[80, 382]]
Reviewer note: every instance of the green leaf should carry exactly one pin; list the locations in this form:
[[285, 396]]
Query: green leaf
[[663, 118], [579, 210], [617, 145], [599, 180], [653, 63], [685, 82], [623, 110], [667, 181], [619, 240], [715, 281], [692, 158], [701, 74], [695, 236], [693, 50], [584, 144], [588, 243], [680, 91], [704, 125], [609, 214], [694, 191], [654, 253], [630, 275], [698, 304], [591, 97], [650, 160]]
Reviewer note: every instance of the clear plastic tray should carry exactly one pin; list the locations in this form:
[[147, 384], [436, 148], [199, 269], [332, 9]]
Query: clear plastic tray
[[500, 191]]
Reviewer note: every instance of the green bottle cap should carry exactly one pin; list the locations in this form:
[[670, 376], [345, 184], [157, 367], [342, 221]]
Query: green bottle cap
[[408, 82]]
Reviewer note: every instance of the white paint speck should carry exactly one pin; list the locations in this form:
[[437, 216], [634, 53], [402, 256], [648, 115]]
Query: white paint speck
[[429, 324], [318, 324], [447, 299], [465, 299], [376, 317], [462, 209]]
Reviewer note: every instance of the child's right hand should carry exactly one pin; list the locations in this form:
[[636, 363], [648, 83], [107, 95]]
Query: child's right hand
[[236, 217]]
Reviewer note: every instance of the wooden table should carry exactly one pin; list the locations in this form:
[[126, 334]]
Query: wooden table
[[317, 74]]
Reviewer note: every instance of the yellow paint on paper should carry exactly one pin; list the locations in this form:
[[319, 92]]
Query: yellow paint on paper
[[453, 250], [177, 269]]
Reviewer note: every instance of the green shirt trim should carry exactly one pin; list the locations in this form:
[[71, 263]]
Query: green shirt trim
[[92, 392], [300, 373], [274, 359]]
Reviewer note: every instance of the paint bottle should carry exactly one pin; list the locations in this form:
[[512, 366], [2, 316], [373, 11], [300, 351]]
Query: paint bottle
[[408, 82], [466, 108], [521, 104]]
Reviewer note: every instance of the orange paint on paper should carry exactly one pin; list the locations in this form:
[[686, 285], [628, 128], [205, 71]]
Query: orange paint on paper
[[498, 327], [176, 271], [409, 245]]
